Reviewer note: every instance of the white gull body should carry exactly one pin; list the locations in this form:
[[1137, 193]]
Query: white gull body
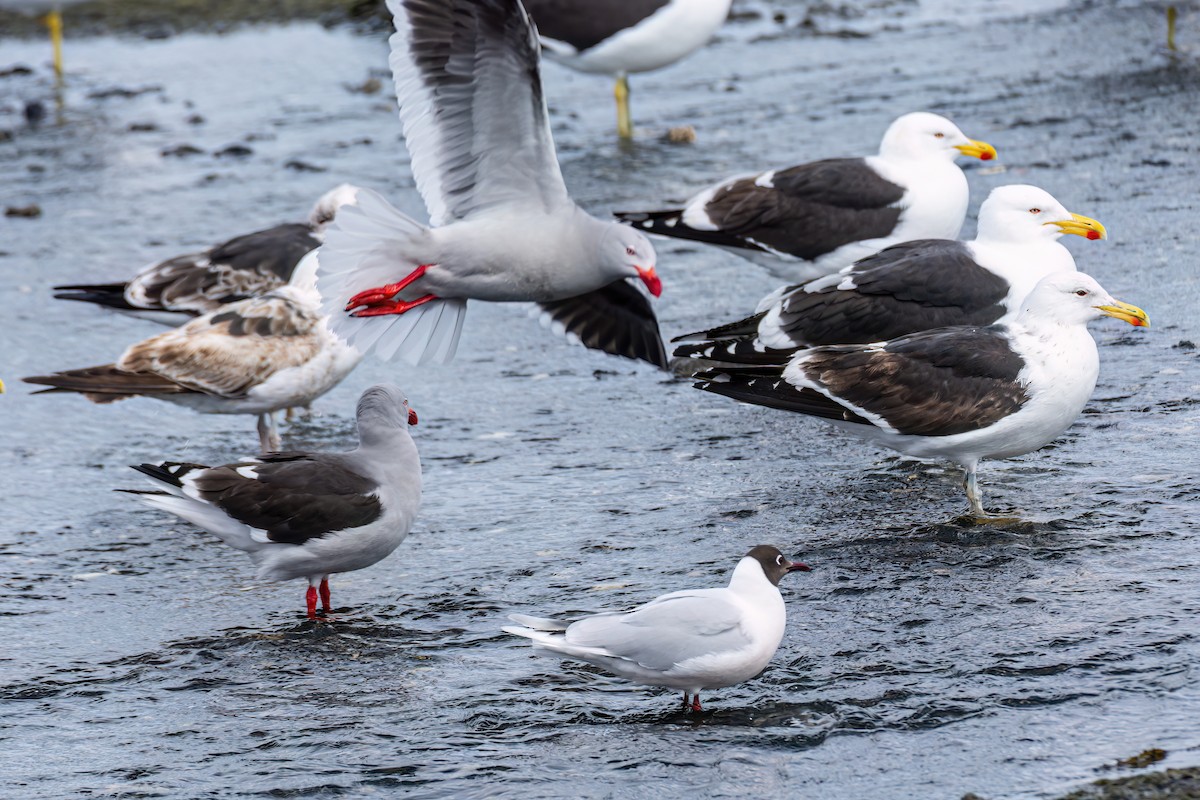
[[503, 228], [689, 640]]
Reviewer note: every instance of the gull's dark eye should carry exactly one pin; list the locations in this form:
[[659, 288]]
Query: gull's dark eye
[[939, 136], [1035, 211], [1081, 292], [629, 251]]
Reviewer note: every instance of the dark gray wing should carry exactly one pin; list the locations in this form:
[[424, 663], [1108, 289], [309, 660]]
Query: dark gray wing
[[583, 24], [909, 287], [293, 497], [616, 319], [935, 383], [804, 211], [245, 266]]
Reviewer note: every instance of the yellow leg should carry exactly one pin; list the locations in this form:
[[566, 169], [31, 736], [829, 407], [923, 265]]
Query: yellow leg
[[54, 23], [1172, 13], [624, 124]]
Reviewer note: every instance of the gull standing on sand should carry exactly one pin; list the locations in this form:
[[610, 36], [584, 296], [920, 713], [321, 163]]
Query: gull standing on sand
[[307, 515], [690, 640], [813, 219], [503, 227], [961, 393]]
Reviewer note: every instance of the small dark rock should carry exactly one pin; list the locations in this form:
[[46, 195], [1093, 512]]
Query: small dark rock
[[1184, 344], [142, 127], [31, 211], [6, 135], [19, 69], [304, 166], [369, 86], [181, 150], [35, 113], [120, 91], [195, 119], [234, 151]]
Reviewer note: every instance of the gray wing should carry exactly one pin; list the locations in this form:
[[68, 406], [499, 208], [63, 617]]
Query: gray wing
[[667, 631], [472, 107]]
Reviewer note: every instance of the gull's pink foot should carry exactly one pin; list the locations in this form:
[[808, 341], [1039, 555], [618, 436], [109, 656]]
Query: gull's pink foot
[[384, 294], [392, 307]]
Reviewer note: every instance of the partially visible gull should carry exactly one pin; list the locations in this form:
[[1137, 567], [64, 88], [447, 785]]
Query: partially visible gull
[[503, 226], [960, 393], [913, 286], [256, 356], [813, 219], [690, 640], [307, 515], [617, 37], [52, 9], [181, 288]]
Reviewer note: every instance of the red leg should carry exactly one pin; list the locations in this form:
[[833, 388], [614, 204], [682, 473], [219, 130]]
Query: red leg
[[392, 307], [380, 294], [686, 700], [325, 606], [696, 702], [310, 597]]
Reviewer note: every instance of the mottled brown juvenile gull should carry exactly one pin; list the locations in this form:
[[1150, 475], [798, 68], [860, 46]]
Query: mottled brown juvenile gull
[[307, 515], [503, 227], [813, 219], [257, 356], [960, 393], [181, 288], [690, 640], [618, 37], [913, 286]]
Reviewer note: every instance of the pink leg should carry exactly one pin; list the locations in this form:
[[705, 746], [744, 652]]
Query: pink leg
[[325, 606], [382, 294], [310, 597]]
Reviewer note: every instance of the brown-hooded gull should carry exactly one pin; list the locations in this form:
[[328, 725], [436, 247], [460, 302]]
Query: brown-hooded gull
[[913, 286], [813, 219], [690, 640], [256, 356], [960, 393], [617, 37], [184, 287], [503, 227], [307, 515]]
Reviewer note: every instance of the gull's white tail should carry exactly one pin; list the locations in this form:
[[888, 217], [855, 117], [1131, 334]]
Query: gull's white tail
[[364, 247]]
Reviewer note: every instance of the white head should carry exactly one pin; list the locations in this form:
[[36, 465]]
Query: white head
[[921, 135], [1022, 213], [627, 253], [1073, 298], [325, 209]]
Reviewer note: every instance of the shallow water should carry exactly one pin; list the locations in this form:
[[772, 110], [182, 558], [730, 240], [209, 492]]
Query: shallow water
[[922, 659]]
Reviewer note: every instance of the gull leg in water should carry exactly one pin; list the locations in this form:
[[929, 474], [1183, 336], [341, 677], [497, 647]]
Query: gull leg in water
[[310, 599], [971, 484], [624, 121], [324, 590], [54, 25], [377, 302], [268, 434]]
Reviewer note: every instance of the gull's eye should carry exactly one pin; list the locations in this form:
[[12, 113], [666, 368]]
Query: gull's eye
[[1081, 292], [629, 251], [939, 136], [1035, 211]]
